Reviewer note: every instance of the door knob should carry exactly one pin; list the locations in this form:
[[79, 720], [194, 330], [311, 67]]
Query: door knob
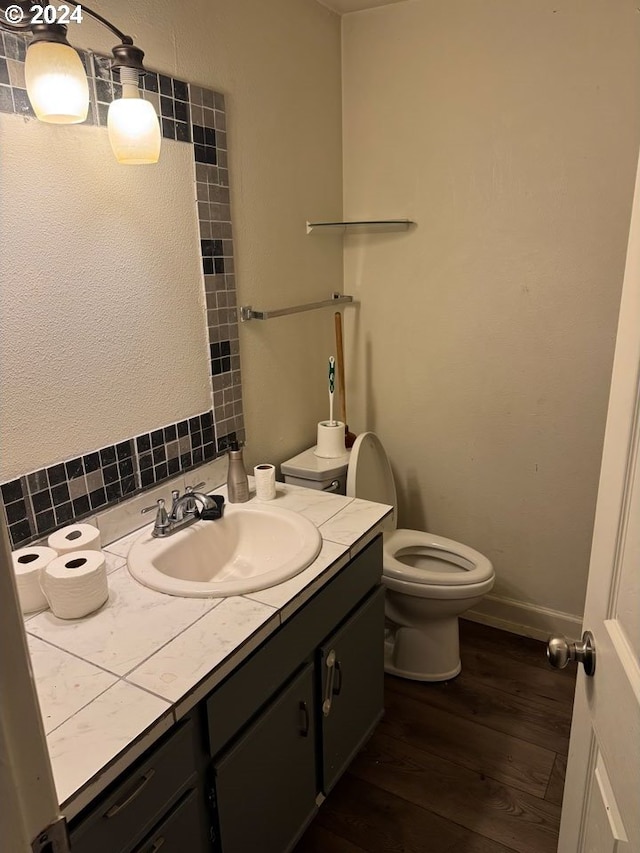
[[560, 651]]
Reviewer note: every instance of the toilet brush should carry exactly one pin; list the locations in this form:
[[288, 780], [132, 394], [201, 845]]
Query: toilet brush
[[349, 437], [332, 388]]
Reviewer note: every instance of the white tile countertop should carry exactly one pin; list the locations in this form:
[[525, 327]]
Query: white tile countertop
[[113, 682]]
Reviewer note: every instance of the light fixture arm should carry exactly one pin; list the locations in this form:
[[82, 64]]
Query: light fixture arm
[[123, 38], [25, 23], [125, 54]]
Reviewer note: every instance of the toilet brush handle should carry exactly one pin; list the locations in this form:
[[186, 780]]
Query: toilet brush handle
[[340, 366], [332, 386]]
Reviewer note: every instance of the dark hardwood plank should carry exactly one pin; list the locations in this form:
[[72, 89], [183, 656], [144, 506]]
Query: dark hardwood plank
[[317, 839], [380, 822], [366, 818], [536, 721], [507, 759], [517, 665], [555, 789], [479, 844], [512, 818], [512, 646]]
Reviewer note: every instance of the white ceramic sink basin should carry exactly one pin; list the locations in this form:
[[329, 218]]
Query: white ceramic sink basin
[[253, 546]]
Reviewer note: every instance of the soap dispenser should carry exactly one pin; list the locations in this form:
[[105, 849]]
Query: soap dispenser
[[237, 480]]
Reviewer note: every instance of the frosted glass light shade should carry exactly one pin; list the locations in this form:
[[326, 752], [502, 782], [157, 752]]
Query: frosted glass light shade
[[56, 83], [134, 131]]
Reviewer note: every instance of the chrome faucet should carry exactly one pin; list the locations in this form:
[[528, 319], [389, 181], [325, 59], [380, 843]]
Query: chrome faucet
[[185, 510], [187, 505]]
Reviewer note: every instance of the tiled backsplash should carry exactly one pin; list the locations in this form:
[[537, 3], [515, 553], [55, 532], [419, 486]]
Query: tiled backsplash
[[41, 501]]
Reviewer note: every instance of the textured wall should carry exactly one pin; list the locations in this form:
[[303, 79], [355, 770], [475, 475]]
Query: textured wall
[[483, 346], [279, 68]]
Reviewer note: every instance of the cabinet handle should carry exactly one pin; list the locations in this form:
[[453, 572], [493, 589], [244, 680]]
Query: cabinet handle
[[157, 844], [115, 809], [330, 663], [338, 685], [304, 729]]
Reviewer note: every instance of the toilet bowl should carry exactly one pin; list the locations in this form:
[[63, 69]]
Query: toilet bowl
[[429, 580]]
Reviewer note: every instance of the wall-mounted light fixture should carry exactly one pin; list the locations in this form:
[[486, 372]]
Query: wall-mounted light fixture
[[57, 83]]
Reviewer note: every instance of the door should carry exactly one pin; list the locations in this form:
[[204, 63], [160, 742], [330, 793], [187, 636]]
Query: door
[[28, 802], [600, 809], [265, 785], [352, 685]]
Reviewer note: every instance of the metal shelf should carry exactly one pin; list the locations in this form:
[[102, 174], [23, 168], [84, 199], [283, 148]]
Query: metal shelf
[[248, 313], [362, 223]]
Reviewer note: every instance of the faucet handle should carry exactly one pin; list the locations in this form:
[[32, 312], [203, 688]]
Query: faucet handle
[[162, 523], [157, 506], [191, 492]]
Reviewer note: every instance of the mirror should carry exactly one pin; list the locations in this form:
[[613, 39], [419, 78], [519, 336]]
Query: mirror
[[119, 357]]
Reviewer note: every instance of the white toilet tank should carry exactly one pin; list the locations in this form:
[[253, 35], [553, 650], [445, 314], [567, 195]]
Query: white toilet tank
[[317, 472]]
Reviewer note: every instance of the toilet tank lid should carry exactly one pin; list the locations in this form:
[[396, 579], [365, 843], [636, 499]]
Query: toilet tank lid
[[308, 466], [370, 477]]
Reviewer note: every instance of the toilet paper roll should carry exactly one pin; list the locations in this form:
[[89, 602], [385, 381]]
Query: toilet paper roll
[[75, 584], [330, 440], [75, 537], [265, 477], [28, 564]]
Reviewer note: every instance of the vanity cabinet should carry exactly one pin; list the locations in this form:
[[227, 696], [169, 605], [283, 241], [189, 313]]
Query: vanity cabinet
[[286, 724], [265, 785], [151, 803], [249, 767]]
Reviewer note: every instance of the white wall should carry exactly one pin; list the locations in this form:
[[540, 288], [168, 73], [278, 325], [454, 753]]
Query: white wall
[[482, 349], [278, 65]]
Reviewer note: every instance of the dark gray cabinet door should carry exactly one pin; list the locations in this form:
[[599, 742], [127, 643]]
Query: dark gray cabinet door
[[265, 785], [352, 678], [179, 831]]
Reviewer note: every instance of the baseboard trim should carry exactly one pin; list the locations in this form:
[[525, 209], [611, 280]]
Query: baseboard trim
[[528, 620]]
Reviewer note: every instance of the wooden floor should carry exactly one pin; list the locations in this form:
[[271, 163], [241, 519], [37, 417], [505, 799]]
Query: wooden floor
[[473, 765]]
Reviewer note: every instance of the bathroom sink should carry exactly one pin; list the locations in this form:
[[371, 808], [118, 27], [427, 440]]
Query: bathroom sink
[[251, 547]]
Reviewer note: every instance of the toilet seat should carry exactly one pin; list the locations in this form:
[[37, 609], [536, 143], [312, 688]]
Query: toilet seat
[[454, 564], [449, 565]]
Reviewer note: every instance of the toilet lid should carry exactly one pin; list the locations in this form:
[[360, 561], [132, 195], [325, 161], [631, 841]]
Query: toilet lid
[[370, 477]]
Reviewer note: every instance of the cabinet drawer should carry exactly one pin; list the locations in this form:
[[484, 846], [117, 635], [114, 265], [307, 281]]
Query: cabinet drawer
[[131, 807], [179, 831], [247, 689]]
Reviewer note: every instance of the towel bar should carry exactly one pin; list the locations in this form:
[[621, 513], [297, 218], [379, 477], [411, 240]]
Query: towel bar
[[249, 313]]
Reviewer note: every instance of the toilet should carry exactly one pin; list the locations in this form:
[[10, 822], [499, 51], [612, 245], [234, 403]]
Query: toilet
[[429, 580]]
